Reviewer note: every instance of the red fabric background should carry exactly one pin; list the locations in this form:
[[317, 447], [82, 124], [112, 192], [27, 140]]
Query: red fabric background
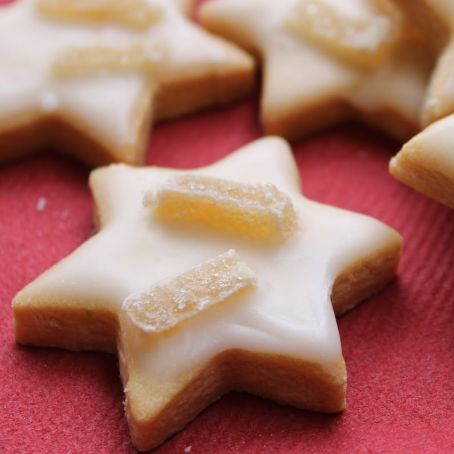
[[399, 345]]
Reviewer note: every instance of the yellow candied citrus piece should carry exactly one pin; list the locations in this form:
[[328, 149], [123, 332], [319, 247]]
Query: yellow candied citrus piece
[[364, 41], [256, 211], [83, 61], [184, 296], [137, 14]]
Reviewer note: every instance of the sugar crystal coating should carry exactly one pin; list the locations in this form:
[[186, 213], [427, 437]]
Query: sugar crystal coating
[[184, 296], [83, 61], [256, 211], [136, 14], [364, 41]]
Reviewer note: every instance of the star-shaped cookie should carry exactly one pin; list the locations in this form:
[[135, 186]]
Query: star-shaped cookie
[[89, 76], [426, 162], [327, 60], [277, 339]]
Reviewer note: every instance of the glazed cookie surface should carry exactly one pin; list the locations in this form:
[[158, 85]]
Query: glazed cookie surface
[[327, 61], [231, 301], [89, 76]]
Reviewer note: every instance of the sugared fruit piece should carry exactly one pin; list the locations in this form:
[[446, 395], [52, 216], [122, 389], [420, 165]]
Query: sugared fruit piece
[[169, 303], [364, 40], [256, 211], [84, 61], [136, 14]]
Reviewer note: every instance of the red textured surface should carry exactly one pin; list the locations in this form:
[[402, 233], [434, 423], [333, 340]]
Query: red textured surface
[[399, 346]]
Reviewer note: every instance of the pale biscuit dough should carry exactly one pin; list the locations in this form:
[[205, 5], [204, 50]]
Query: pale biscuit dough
[[307, 86], [105, 116], [279, 340]]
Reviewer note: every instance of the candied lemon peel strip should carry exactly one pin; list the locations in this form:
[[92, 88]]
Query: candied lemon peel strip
[[136, 14], [184, 296], [85, 61], [364, 41], [255, 211]]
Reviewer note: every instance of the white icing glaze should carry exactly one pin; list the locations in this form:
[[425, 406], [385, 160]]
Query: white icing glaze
[[105, 103], [399, 85], [288, 313], [299, 73]]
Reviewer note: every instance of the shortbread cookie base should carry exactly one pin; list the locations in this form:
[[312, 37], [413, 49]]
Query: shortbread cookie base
[[72, 139], [298, 383], [298, 122], [28, 134], [364, 279], [179, 98]]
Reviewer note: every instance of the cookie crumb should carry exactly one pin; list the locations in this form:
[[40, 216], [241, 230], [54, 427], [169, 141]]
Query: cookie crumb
[[188, 448], [41, 204]]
